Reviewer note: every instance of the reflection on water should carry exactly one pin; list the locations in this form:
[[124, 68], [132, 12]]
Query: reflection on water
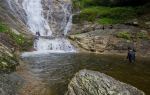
[[56, 70]]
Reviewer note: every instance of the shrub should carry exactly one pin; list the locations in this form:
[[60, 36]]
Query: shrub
[[104, 12], [2, 27], [107, 15]]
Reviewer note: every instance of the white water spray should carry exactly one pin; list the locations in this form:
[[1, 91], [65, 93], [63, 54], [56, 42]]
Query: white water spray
[[37, 23]]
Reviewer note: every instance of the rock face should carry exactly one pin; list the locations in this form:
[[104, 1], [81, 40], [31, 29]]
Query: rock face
[[110, 39], [13, 17], [92, 41], [58, 13], [88, 82]]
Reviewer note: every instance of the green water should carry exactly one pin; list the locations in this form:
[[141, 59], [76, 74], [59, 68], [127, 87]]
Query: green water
[[56, 70]]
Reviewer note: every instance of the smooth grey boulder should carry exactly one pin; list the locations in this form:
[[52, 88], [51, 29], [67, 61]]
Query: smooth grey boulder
[[88, 82]]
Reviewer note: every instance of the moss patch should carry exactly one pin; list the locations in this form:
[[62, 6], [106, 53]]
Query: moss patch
[[124, 35]]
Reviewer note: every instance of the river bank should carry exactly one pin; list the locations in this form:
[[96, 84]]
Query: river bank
[[114, 39]]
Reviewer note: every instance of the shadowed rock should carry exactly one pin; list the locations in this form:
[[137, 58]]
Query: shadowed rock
[[88, 82]]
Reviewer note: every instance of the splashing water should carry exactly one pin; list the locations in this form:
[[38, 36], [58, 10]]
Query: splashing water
[[58, 45], [37, 23]]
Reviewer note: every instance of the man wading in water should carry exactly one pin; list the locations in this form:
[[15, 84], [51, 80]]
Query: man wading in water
[[131, 55]]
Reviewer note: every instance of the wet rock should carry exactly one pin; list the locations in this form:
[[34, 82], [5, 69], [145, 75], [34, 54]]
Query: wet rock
[[57, 13], [94, 42], [88, 82]]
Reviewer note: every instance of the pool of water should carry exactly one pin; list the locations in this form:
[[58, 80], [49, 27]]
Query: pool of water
[[55, 71]]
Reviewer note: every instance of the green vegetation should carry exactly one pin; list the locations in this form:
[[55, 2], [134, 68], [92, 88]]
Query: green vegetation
[[89, 3], [107, 21], [107, 15], [124, 35], [93, 11], [143, 35], [18, 39]]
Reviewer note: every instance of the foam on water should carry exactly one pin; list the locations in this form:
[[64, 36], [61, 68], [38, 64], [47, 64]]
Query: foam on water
[[45, 52]]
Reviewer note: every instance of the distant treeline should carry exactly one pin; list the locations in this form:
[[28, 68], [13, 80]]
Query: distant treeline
[[87, 3], [109, 11]]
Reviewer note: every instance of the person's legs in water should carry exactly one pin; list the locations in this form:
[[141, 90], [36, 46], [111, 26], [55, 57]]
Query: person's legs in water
[[130, 59], [133, 56]]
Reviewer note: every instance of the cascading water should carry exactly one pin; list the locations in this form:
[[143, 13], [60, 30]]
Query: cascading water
[[36, 21], [38, 24]]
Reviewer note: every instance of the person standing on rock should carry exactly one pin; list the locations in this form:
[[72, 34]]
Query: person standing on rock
[[131, 55], [37, 33]]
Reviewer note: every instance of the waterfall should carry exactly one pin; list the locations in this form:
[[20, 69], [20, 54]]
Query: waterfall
[[68, 26], [38, 23]]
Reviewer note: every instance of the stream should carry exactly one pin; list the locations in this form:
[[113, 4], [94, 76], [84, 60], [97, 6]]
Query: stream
[[49, 74]]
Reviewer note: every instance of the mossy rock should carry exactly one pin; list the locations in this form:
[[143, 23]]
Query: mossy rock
[[19, 40], [8, 60]]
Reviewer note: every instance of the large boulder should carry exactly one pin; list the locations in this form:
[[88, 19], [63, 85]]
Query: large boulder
[[88, 82]]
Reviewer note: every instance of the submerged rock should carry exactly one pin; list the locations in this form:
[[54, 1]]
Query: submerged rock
[[10, 83], [88, 82]]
